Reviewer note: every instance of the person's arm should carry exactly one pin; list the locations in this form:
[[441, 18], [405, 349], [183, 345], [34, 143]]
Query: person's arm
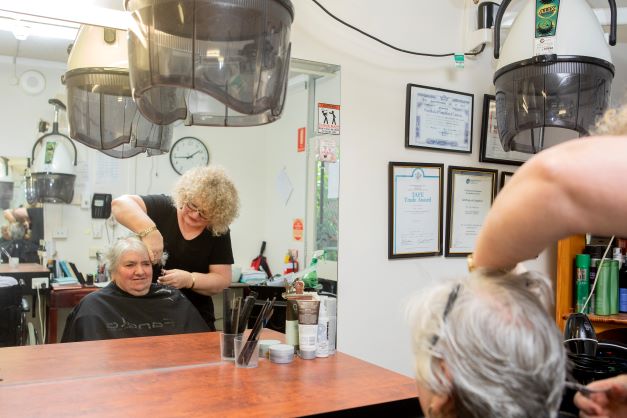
[[212, 283], [572, 188], [130, 211], [611, 403]]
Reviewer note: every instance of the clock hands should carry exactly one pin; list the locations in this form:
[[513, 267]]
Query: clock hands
[[187, 157]]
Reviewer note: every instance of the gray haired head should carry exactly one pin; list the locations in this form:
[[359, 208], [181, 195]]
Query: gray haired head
[[121, 246], [17, 231], [497, 352]]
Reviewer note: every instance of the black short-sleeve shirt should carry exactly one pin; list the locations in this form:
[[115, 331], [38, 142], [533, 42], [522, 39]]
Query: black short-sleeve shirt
[[193, 255]]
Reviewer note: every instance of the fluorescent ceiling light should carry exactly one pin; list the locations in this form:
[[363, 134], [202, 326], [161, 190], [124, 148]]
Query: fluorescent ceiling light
[[77, 11], [26, 26]]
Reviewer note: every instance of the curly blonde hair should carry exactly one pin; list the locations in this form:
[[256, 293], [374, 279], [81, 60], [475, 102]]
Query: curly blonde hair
[[211, 190], [613, 122]]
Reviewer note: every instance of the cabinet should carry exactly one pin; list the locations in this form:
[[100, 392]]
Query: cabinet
[[566, 251]]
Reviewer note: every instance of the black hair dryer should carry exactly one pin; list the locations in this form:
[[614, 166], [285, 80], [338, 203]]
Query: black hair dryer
[[579, 335]]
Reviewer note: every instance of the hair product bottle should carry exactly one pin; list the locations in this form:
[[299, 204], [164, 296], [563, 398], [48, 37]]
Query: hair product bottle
[[582, 281]]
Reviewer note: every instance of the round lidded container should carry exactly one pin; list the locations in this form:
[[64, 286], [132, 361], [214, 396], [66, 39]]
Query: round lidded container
[[281, 353], [264, 346]]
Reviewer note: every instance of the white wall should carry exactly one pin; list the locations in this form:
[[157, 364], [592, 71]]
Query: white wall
[[372, 289]]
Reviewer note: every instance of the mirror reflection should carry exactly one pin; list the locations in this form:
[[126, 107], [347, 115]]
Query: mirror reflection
[[288, 187]]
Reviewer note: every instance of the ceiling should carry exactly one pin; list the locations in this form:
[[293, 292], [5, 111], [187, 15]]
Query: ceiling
[[56, 50]]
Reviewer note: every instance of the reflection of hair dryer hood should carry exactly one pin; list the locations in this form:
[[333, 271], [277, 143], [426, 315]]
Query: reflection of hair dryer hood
[[236, 52], [102, 113], [52, 176], [541, 80]]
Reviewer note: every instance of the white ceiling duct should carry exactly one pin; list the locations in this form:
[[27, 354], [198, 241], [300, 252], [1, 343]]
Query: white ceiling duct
[[101, 111], [555, 70], [233, 55], [51, 178]]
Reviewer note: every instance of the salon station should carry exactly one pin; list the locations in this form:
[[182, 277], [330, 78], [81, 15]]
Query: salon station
[[234, 117]]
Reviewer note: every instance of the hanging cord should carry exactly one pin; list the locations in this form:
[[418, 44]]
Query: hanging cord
[[41, 319], [609, 245], [422, 54]]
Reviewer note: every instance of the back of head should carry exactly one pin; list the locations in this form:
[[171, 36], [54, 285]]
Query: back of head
[[497, 352], [17, 231], [613, 122]]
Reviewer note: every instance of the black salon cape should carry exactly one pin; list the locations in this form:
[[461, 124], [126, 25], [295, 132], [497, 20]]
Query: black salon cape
[[112, 313], [194, 255]]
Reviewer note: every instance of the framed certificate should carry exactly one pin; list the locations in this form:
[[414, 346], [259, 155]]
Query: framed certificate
[[491, 150], [414, 209], [505, 177], [438, 119], [470, 195]]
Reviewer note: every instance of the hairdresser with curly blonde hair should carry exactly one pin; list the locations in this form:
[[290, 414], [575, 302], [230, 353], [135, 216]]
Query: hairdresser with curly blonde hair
[[192, 226]]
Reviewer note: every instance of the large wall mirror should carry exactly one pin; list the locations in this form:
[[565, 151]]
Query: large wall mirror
[[282, 185]]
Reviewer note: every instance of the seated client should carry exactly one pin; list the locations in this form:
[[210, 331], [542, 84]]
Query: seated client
[[131, 306], [485, 347]]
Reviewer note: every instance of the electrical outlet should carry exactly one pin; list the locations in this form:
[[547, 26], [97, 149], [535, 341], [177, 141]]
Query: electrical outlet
[[85, 201], [60, 232], [40, 283], [96, 229], [93, 252]]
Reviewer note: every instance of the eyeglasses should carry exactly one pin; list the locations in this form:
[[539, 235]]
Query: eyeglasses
[[452, 297], [190, 207]]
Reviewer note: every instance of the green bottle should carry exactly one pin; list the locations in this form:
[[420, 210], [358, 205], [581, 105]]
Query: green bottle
[[613, 291], [602, 292], [582, 281]]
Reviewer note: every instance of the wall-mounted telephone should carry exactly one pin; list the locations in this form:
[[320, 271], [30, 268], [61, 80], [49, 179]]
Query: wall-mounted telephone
[[101, 206]]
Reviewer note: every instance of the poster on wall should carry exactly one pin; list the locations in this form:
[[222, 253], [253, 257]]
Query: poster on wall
[[470, 195], [415, 209], [328, 119], [438, 119]]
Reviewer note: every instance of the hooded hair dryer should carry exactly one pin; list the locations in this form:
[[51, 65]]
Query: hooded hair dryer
[[51, 178], [555, 70]]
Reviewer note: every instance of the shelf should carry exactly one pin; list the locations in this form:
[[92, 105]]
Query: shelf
[[605, 322], [620, 319]]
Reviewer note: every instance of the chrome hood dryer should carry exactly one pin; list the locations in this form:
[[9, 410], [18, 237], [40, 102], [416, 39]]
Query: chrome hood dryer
[[52, 175], [555, 70]]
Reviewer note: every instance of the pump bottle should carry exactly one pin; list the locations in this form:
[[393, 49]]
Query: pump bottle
[[322, 345]]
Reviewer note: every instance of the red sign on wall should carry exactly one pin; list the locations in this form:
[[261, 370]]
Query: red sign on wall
[[297, 229], [301, 139]]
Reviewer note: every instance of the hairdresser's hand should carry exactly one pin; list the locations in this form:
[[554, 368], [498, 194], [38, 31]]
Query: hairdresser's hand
[[609, 404], [176, 278], [154, 242]]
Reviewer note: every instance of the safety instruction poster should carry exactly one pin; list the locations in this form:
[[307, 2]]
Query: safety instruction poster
[[328, 119]]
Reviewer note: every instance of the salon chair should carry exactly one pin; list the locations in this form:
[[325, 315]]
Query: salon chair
[[14, 329]]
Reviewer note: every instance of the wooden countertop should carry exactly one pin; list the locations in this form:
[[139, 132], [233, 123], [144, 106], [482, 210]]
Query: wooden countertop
[[6, 269], [183, 376]]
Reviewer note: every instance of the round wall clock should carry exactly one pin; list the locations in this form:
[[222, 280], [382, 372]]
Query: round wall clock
[[188, 152]]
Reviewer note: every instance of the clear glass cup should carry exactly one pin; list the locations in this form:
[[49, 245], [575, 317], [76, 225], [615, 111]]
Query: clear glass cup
[[227, 346], [246, 353]]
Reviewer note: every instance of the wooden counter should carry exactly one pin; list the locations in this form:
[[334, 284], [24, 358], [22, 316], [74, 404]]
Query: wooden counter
[[182, 376], [26, 272]]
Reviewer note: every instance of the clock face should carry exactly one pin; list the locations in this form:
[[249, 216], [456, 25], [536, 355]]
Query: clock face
[[188, 152]]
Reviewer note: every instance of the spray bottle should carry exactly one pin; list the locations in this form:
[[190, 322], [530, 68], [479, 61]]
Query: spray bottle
[[310, 274]]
